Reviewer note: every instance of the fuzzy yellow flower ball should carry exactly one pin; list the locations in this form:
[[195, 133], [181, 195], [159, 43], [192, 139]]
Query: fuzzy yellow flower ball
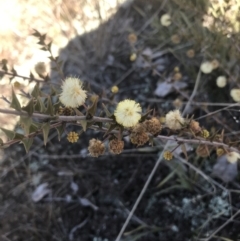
[[235, 94], [127, 113], [221, 81], [168, 155], [232, 157], [206, 67], [166, 20], [114, 89], [174, 120], [72, 93], [72, 137]]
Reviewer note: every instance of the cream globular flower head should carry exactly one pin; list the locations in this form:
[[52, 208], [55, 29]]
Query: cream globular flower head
[[235, 94], [165, 20], [232, 157], [127, 113], [221, 81], [72, 93], [174, 120], [206, 67]]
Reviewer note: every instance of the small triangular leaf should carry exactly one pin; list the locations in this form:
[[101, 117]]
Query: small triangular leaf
[[184, 150], [15, 103], [56, 106], [45, 129], [144, 116], [29, 107], [83, 124], [111, 127], [27, 142], [106, 111], [18, 136], [31, 76], [92, 109], [26, 123], [33, 127], [36, 33], [60, 130], [8, 133], [36, 91], [79, 113], [39, 106], [49, 109]]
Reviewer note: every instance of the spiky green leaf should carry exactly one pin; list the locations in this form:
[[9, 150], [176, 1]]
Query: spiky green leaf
[[27, 142], [29, 107], [49, 110], [15, 103], [60, 130], [92, 109], [106, 111], [36, 91], [26, 122], [45, 129], [8, 133]]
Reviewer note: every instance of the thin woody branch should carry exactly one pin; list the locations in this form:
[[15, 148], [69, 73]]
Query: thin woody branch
[[56, 117]]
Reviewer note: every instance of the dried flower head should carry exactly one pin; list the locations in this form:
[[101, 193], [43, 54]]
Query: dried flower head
[[205, 133], [132, 38], [177, 76], [194, 126], [235, 94], [72, 93], [133, 57], [114, 89], [127, 113], [190, 53], [215, 64], [139, 135], [206, 67], [232, 157], [165, 20], [17, 85], [72, 137], [176, 69], [96, 147], [220, 152], [177, 103], [40, 68], [202, 150], [221, 81], [67, 111], [174, 120], [153, 125], [168, 155], [175, 39], [116, 146]]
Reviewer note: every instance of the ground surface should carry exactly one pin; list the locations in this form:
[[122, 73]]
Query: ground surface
[[59, 192]]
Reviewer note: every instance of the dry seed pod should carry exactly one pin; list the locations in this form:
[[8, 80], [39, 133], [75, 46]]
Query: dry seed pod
[[139, 135], [202, 150], [116, 146], [194, 126], [153, 125], [96, 147]]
